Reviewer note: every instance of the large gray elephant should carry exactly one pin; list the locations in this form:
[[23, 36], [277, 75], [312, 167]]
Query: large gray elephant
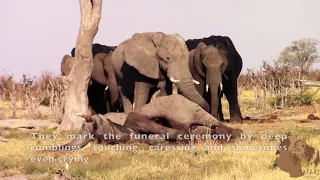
[[230, 75], [207, 65], [103, 77], [104, 74], [145, 60]]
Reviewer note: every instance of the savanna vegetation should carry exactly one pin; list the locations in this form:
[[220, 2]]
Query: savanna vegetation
[[274, 99]]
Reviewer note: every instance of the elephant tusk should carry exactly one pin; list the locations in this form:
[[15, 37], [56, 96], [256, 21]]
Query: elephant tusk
[[173, 80], [133, 105], [85, 116], [221, 85], [207, 87], [195, 82], [106, 88]]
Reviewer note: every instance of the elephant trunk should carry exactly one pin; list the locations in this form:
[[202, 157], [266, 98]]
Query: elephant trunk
[[187, 88], [114, 93], [78, 143], [86, 129], [214, 79]]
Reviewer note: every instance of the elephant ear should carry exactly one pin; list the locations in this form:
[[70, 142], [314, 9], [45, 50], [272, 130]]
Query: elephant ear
[[191, 59], [117, 118], [98, 71], [156, 38], [66, 65], [191, 55], [223, 52], [162, 53], [197, 58], [142, 60]]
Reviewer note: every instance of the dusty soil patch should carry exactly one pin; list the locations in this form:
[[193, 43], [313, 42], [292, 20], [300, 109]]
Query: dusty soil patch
[[27, 124]]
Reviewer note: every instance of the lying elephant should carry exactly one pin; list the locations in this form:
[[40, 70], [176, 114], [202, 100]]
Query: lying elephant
[[178, 113]]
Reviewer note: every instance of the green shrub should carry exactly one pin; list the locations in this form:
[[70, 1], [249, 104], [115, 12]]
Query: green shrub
[[45, 101], [294, 99]]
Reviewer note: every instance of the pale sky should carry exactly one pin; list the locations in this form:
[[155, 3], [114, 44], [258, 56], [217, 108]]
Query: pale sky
[[36, 34]]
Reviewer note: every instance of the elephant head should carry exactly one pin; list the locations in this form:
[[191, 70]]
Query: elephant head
[[150, 52], [67, 64], [98, 72], [210, 63]]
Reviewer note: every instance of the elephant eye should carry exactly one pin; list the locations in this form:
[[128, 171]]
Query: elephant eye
[[168, 59]]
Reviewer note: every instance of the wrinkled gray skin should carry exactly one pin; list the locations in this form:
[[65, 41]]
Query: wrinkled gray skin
[[103, 75], [143, 62], [207, 65], [179, 113], [66, 65]]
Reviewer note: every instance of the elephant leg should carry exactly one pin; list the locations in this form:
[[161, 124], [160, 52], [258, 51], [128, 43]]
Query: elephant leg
[[107, 100], [220, 114], [114, 94], [96, 97], [230, 89], [143, 124], [207, 96], [141, 94], [167, 88], [126, 103]]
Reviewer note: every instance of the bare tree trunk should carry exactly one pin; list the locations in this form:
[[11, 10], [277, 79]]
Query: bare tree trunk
[[264, 96], [239, 94], [76, 99]]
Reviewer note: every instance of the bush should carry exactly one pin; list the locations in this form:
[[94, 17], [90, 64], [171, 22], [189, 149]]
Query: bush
[[294, 99], [45, 101], [301, 99]]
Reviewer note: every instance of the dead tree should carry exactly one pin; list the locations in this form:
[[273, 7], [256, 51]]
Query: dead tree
[[76, 99]]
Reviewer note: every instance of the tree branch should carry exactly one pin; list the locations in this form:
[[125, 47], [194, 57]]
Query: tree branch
[[96, 11], [86, 11]]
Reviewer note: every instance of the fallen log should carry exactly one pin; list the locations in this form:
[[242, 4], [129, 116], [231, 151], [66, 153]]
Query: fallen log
[[2, 139], [310, 83]]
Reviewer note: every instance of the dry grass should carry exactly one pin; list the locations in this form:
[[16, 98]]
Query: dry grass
[[31, 97], [146, 164]]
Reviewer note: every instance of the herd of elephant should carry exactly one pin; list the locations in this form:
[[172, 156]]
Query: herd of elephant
[[125, 77]]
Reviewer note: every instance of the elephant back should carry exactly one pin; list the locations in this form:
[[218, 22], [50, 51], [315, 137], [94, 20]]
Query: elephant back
[[97, 48]]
